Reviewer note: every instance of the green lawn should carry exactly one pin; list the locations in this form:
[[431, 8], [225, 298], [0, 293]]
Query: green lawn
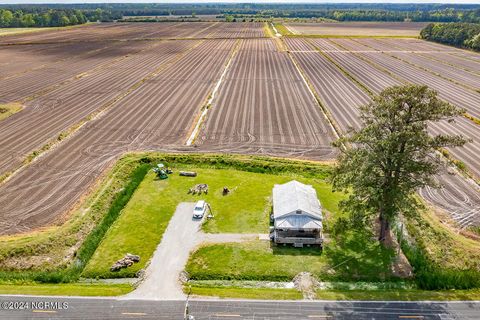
[[140, 227], [66, 289], [258, 293], [293, 294], [348, 256], [400, 295], [260, 260]]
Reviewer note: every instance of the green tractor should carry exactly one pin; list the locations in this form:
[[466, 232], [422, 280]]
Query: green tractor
[[161, 171]]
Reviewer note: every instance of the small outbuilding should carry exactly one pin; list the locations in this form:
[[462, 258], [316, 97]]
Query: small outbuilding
[[297, 215]]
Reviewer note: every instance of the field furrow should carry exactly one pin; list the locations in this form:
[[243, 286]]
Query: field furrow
[[464, 207], [455, 94], [159, 112], [264, 107], [337, 92], [66, 106]]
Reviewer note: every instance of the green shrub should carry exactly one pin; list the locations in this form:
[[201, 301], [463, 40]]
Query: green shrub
[[430, 276], [94, 238]]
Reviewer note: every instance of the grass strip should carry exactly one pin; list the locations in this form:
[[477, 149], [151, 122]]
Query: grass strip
[[88, 247], [66, 289], [350, 257], [365, 295], [92, 241], [441, 258], [399, 295], [257, 293], [6, 110], [282, 29]]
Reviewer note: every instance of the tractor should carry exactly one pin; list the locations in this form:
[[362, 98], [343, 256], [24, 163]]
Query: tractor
[[161, 171]]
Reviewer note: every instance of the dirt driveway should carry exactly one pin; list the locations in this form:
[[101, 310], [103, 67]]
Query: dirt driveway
[[161, 276], [181, 237]]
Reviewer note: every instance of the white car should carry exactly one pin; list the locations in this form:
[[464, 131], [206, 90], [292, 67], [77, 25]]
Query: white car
[[200, 209]]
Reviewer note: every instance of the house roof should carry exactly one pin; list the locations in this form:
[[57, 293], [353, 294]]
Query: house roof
[[298, 222], [292, 196]]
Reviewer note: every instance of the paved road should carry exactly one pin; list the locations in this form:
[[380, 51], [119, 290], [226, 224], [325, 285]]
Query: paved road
[[99, 308]]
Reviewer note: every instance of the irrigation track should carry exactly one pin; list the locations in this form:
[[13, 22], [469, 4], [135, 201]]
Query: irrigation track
[[455, 197], [264, 108], [455, 94], [375, 80], [160, 111], [467, 154], [470, 81]]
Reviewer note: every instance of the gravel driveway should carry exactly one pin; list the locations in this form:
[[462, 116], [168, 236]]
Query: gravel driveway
[[161, 276], [181, 237]]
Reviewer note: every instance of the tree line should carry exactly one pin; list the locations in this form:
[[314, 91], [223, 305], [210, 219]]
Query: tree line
[[444, 15], [465, 35], [336, 11], [38, 17], [441, 15]]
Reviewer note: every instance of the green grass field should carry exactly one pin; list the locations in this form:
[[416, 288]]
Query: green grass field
[[260, 260], [399, 295], [66, 289], [372, 295], [140, 226], [259, 293]]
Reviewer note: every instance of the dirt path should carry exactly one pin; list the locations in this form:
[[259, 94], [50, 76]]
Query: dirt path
[[161, 277], [181, 237]]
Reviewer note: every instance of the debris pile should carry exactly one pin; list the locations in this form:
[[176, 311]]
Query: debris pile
[[199, 189], [125, 262], [307, 284]]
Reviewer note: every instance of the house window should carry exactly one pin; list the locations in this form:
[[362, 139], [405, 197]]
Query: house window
[[299, 211]]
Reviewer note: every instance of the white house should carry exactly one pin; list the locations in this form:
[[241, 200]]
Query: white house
[[297, 215]]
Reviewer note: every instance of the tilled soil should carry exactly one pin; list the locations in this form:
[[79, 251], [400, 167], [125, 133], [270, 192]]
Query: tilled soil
[[147, 91]]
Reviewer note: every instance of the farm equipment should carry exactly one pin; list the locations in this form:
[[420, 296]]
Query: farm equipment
[[161, 171], [188, 173]]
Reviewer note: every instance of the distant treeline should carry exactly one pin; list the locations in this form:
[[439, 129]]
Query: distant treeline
[[465, 35], [341, 11], [44, 17], [444, 15]]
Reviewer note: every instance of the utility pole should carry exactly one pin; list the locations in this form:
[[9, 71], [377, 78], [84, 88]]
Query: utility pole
[[186, 312]]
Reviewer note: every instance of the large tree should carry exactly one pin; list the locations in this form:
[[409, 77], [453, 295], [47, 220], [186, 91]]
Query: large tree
[[382, 164]]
